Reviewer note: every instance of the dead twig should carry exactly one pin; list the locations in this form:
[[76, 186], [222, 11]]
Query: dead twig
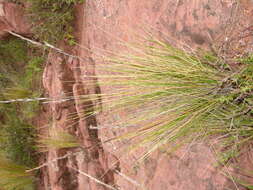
[[45, 44], [54, 160], [129, 179], [93, 178]]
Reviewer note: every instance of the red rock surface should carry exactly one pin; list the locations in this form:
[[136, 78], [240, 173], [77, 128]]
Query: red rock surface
[[100, 25], [12, 18], [198, 23]]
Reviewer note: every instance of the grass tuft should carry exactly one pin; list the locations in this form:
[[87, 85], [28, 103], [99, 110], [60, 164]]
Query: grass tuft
[[172, 96]]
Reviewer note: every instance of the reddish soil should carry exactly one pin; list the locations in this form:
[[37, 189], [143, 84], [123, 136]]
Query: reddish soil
[[100, 25]]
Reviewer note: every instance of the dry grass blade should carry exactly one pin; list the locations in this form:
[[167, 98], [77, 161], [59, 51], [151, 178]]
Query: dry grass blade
[[94, 179], [130, 180]]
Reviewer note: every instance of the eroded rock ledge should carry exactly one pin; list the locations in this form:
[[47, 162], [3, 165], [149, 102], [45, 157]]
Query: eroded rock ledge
[[62, 79], [12, 18]]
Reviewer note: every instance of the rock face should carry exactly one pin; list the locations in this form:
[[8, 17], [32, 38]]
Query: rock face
[[100, 25], [12, 18], [221, 24], [63, 79]]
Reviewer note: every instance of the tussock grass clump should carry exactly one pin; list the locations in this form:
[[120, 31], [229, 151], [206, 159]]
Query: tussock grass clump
[[172, 96]]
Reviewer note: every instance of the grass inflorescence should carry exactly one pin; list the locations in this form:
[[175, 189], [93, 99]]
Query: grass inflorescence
[[57, 139]]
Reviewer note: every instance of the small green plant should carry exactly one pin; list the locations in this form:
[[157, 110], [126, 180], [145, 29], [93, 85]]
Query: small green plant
[[52, 19], [10, 45], [18, 139], [20, 78]]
